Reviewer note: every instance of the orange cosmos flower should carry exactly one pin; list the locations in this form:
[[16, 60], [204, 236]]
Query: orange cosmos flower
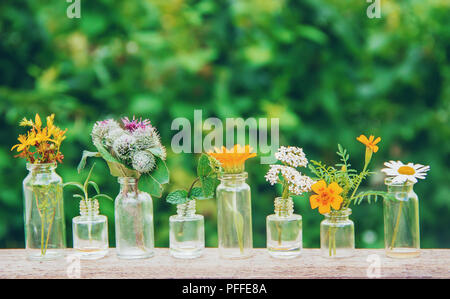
[[369, 143], [232, 160], [326, 196]]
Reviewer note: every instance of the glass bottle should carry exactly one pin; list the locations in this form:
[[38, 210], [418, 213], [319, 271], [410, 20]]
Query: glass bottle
[[90, 231], [134, 221], [284, 230], [401, 220], [187, 232], [337, 234], [234, 216], [45, 231]]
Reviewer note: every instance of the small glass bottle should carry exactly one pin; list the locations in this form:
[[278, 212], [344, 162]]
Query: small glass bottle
[[187, 232], [284, 230], [337, 234], [90, 231], [234, 216], [134, 221], [401, 220], [45, 230]]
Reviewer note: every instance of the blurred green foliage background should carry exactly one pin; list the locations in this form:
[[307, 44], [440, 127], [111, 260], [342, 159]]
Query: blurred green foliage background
[[322, 66]]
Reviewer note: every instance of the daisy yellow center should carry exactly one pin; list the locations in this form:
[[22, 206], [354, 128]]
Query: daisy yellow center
[[406, 170]]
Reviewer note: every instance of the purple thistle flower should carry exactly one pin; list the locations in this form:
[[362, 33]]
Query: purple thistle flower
[[133, 125]]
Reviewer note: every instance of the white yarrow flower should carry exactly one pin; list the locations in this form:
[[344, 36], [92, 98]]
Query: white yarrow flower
[[297, 183], [292, 156], [401, 173]]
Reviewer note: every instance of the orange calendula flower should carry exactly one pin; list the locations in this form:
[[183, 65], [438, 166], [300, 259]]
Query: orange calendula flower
[[232, 160], [326, 197], [370, 143]]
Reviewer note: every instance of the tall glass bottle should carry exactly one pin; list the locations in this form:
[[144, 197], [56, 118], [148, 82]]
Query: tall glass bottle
[[234, 216], [45, 231], [90, 231], [401, 220], [284, 230], [187, 232], [134, 221], [337, 234]]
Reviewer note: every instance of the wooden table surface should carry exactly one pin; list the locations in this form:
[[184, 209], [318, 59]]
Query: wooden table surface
[[367, 263]]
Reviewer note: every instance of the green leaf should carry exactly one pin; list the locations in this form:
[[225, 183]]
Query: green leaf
[[156, 151], [117, 169], [207, 190], [157, 178], [161, 172], [203, 167], [153, 186], [177, 197], [75, 184], [104, 196], [84, 156], [94, 184], [197, 193], [79, 196]]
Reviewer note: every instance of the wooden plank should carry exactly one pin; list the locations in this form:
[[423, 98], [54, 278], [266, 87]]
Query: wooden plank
[[433, 263]]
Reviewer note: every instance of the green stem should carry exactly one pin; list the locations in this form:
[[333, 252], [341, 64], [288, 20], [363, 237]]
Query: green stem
[[239, 236], [356, 187], [399, 215], [285, 195], [49, 230], [42, 236]]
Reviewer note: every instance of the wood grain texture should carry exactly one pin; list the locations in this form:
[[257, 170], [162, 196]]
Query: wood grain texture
[[432, 263]]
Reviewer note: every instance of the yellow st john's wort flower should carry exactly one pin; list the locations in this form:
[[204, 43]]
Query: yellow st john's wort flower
[[232, 160], [326, 196], [24, 143]]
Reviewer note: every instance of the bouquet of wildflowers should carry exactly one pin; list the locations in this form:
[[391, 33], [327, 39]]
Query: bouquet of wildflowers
[[40, 144], [337, 186], [131, 148]]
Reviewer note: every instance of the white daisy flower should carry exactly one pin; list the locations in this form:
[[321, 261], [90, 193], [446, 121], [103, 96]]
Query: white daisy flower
[[292, 156], [402, 173]]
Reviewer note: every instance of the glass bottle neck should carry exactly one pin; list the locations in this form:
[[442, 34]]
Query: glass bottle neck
[[340, 215], [232, 179], [401, 187], [41, 168], [284, 207], [186, 209], [89, 207], [128, 184]]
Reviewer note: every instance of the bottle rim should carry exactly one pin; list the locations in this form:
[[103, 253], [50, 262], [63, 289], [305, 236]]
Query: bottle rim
[[232, 176], [388, 182], [41, 166], [129, 180], [339, 213]]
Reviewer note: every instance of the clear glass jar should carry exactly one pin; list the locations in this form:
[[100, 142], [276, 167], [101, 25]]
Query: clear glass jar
[[45, 228], [337, 234], [234, 216], [187, 232], [134, 221], [90, 231], [284, 230], [401, 220]]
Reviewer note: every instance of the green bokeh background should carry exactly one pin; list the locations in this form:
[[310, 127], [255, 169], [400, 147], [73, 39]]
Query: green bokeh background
[[322, 66]]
